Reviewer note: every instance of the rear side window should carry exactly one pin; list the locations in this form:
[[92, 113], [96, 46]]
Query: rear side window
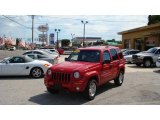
[[114, 54], [31, 56], [106, 56], [36, 52], [41, 56], [120, 54]]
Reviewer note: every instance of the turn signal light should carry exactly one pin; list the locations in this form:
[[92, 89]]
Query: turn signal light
[[46, 65]]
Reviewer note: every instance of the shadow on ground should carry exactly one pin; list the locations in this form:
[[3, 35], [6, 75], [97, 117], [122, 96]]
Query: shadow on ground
[[140, 67], [16, 78], [157, 71], [66, 98]]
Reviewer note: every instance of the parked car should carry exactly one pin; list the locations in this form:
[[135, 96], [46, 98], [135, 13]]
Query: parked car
[[61, 51], [86, 69], [158, 62], [12, 48], [130, 52], [52, 51], [128, 55], [42, 55], [23, 65], [123, 50], [147, 58]]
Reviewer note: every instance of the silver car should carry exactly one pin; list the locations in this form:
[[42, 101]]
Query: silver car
[[42, 55]]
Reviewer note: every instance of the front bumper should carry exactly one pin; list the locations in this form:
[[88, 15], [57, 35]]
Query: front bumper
[[158, 64], [137, 60], [72, 86]]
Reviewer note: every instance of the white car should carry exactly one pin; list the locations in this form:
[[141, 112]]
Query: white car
[[23, 65], [42, 55], [158, 62], [128, 59]]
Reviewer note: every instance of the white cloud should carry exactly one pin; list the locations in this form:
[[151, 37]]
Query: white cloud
[[105, 26]]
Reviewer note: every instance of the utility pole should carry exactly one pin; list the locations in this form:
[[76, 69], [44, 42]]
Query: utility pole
[[32, 28]]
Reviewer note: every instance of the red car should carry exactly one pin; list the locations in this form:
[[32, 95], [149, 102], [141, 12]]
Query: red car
[[61, 51], [86, 69]]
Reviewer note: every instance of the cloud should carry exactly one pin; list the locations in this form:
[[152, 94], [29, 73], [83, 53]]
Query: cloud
[[105, 26]]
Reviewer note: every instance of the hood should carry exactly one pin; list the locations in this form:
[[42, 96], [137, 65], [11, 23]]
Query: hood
[[41, 62], [73, 66], [128, 56], [145, 54]]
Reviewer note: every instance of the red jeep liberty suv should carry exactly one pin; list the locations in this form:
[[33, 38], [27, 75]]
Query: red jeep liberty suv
[[86, 69]]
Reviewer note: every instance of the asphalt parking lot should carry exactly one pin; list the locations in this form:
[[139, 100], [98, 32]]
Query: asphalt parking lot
[[141, 87]]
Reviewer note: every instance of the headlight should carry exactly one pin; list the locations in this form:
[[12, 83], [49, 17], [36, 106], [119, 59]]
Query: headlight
[[49, 72], [140, 57], [76, 75]]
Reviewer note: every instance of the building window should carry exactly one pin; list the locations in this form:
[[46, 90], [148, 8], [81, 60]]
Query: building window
[[150, 42], [127, 44], [138, 44]]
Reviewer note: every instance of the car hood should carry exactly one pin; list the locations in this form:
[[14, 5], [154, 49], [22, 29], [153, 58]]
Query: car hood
[[73, 66], [128, 56], [145, 54], [40, 62]]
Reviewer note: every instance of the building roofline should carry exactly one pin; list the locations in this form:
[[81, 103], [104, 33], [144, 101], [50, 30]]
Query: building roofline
[[140, 28], [88, 37]]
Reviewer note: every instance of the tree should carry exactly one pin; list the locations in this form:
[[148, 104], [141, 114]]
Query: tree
[[152, 19], [65, 42]]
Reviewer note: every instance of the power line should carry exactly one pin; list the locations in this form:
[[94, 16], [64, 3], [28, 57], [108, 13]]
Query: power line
[[16, 22]]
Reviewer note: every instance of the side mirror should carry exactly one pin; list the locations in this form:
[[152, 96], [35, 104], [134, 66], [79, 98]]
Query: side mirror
[[66, 59], [106, 61]]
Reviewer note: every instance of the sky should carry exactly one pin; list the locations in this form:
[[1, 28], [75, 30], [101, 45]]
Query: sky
[[104, 26]]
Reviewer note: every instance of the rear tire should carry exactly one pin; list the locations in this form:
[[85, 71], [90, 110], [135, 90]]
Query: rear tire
[[90, 90], [119, 80]]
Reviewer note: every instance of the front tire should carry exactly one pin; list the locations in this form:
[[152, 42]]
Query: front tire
[[36, 72], [119, 80], [90, 90], [147, 63]]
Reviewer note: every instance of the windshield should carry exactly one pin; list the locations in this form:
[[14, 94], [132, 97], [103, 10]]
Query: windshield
[[4, 60], [85, 56], [28, 59], [152, 50], [126, 53]]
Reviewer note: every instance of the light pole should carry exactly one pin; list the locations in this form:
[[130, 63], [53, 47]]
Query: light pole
[[32, 28], [84, 23], [72, 36], [57, 31]]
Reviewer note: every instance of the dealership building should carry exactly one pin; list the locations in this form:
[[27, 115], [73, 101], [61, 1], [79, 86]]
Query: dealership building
[[141, 38]]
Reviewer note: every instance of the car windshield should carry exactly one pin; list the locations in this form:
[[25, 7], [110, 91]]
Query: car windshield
[[152, 50], [126, 53], [4, 60], [85, 56], [28, 59]]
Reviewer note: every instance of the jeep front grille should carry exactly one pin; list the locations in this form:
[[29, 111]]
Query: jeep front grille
[[61, 77]]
